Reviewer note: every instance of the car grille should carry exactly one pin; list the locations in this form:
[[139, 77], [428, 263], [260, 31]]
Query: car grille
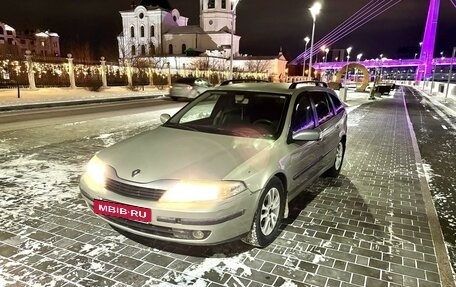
[[133, 190]]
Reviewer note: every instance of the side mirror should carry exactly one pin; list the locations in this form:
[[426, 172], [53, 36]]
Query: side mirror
[[164, 118], [307, 135]]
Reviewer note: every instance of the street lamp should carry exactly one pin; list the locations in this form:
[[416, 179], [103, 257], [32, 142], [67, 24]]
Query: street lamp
[[381, 67], [441, 55], [306, 39], [233, 14], [346, 70], [450, 74], [314, 11], [326, 56], [358, 57], [416, 54]]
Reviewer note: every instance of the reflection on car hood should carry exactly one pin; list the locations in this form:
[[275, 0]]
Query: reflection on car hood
[[168, 153]]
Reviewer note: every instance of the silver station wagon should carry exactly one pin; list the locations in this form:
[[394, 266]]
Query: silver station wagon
[[224, 167]]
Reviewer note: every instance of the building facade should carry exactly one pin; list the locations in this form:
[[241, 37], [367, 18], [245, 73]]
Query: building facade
[[153, 28], [14, 42]]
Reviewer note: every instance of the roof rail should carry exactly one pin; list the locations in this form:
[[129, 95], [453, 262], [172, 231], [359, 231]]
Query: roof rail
[[307, 83], [238, 81]]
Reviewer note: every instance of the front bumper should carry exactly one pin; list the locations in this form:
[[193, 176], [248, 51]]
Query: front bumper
[[197, 224]]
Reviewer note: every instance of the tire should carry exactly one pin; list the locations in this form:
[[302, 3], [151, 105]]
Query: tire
[[268, 216], [174, 98], [334, 171]]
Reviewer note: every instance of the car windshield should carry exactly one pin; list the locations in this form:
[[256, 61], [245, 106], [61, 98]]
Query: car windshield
[[237, 113]]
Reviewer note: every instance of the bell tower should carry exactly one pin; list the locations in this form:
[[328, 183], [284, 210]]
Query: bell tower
[[216, 15]]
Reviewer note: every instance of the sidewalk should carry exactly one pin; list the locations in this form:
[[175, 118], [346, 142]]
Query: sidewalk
[[66, 96]]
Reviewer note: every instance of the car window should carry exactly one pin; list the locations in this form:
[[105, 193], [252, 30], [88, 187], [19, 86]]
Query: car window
[[338, 106], [202, 110], [303, 118], [322, 106]]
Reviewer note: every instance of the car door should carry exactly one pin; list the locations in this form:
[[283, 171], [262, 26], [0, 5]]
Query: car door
[[328, 124], [305, 155]]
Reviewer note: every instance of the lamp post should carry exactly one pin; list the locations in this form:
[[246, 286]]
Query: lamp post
[[306, 40], [314, 11], [450, 74], [346, 70], [381, 67], [326, 56], [416, 54], [233, 15]]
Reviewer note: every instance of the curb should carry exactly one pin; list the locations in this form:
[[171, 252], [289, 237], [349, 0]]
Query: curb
[[75, 103]]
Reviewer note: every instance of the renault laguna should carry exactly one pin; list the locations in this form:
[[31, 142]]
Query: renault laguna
[[224, 167]]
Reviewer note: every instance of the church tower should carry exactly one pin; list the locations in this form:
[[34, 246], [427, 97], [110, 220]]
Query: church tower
[[216, 15]]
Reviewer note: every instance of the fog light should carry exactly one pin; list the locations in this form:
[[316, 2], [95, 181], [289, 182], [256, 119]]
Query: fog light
[[198, 234]]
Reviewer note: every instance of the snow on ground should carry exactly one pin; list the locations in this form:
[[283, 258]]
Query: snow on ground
[[8, 97]]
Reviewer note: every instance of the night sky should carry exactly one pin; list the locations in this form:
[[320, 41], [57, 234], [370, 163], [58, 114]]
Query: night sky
[[264, 25]]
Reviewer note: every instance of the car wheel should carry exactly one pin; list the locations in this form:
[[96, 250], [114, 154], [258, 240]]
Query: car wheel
[[174, 98], [268, 216], [334, 171]]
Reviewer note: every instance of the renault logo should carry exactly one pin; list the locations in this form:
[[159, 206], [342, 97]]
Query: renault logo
[[135, 172]]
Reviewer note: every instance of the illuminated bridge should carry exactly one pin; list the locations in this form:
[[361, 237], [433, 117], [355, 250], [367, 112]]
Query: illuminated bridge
[[423, 67]]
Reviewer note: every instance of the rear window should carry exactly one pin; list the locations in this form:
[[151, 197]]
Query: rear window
[[338, 106], [188, 81]]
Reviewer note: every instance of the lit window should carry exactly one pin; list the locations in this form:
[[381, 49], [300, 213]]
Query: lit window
[[42, 44]]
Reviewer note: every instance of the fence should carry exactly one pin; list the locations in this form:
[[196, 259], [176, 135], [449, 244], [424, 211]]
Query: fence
[[59, 72]]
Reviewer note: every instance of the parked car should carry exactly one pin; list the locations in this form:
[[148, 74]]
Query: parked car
[[188, 88], [223, 167]]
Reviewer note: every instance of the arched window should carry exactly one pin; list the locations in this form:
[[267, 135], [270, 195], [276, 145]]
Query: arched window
[[184, 48], [133, 50], [151, 49], [132, 31], [143, 50], [152, 31], [211, 4], [142, 31], [170, 49]]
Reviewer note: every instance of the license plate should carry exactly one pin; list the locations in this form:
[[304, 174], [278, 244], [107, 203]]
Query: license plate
[[129, 212]]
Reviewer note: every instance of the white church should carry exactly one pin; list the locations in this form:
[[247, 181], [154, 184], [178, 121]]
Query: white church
[[152, 28], [155, 29]]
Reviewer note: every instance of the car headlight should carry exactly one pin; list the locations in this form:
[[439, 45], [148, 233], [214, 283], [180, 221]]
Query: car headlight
[[197, 191], [96, 169]]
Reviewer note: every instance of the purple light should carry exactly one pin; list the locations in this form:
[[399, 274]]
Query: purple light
[[427, 49]]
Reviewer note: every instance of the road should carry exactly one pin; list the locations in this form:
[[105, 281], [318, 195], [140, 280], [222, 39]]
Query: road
[[436, 135], [19, 119]]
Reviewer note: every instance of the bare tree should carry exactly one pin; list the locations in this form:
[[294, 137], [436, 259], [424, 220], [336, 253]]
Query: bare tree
[[258, 66]]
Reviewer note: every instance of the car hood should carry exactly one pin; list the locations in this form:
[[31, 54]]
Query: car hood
[[169, 153]]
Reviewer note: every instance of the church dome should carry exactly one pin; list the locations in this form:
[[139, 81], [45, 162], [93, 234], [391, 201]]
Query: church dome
[[161, 3]]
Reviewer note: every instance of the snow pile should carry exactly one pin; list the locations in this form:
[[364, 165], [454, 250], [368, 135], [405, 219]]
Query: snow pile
[[218, 263], [29, 182]]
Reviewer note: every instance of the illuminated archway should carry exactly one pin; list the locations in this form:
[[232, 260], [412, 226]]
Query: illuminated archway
[[360, 67]]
